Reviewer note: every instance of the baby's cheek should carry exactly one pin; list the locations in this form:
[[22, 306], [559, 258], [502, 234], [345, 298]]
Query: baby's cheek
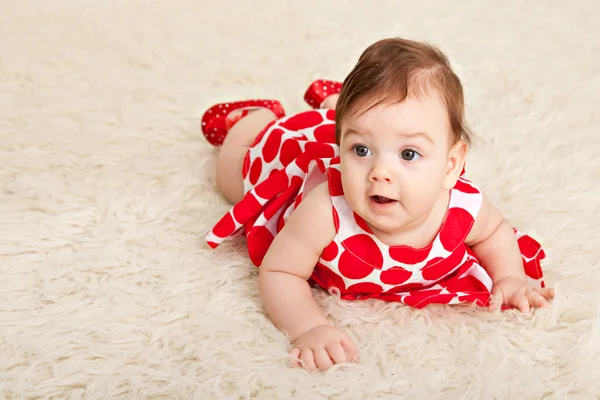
[[422, 199], [348, 180], [350, 195], [352, 189]]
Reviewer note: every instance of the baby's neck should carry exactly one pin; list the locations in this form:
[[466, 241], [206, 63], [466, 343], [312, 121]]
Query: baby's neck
[[421, 232]]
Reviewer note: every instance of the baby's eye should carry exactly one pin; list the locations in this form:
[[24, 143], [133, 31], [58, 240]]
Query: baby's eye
[[361, 151], [410, 155]]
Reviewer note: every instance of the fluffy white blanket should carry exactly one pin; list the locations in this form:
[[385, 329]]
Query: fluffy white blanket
[[106, 190]]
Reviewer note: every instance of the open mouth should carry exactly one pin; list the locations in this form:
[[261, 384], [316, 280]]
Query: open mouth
[[382, 200]]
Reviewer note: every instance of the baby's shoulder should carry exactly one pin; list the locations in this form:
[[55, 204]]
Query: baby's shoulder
[[316, 203], [312, 220]]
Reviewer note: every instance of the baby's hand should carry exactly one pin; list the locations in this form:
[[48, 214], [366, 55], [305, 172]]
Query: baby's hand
[[519, 293], [322, 347]]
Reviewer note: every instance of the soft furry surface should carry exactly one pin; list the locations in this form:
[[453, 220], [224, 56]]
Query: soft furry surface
[[106, 190]]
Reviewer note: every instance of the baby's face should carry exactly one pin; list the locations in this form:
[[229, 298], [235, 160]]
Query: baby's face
[[395, 161]]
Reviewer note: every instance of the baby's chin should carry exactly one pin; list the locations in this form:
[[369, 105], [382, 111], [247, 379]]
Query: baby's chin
[[384, 225]]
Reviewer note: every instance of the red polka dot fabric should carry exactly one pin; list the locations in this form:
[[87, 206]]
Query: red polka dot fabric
[[285, 154], [357, 264]]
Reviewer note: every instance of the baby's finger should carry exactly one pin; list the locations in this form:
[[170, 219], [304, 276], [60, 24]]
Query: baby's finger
[[308, 360], [547, 293], [349, 347], [294, 357], [322, 359], [337, 353], [520, 301], [497, 299], [536, 299]]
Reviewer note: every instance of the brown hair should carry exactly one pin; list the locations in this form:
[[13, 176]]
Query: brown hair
[[391, 69]]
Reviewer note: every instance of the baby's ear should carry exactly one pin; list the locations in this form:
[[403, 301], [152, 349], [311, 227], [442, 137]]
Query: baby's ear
[[456, 162]]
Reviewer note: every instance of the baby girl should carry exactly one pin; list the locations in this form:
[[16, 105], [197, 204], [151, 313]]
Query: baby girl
[[366, 196]]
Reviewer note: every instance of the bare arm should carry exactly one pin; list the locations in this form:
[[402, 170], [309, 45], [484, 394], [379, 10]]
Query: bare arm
[[495, 244], [290, 261]]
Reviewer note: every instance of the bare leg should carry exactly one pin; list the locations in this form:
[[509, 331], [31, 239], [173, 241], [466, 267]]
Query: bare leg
[[235, 146]]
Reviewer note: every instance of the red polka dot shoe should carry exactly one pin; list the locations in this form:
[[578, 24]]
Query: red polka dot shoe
[[219, 119], [319, 90]]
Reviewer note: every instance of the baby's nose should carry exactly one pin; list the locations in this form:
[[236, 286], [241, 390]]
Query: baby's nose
[[380, 173]]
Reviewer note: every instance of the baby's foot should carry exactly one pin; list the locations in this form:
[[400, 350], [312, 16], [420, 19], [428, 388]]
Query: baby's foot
[[319, 91], [330, 102], [233, 117], [220, 118]]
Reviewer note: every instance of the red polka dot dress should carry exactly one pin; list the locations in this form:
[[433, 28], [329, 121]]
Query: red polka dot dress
[[287, 157]]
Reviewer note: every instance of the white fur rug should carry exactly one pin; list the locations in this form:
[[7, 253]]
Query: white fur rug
[[106, 190]]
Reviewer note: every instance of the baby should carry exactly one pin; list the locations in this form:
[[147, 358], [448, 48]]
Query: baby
[[366, 196]]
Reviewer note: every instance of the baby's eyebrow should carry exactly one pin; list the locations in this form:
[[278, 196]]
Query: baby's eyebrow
[[418, 134], [350, 131]]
